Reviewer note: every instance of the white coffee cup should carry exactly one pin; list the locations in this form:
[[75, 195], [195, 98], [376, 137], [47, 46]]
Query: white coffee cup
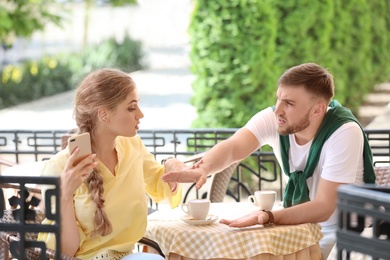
[[197, 209], [264, 199]]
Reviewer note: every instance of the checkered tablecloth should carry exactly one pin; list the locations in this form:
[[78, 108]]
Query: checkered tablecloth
[[220, 241]]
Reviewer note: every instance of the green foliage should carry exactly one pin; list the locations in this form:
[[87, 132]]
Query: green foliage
[[22, 18], [122, 2], [241, 47], [231, 40], [32, 80], [351, 46], [125, 55], [51, 75]]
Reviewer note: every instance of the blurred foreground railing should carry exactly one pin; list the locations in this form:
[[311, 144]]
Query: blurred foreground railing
[[259, 171]]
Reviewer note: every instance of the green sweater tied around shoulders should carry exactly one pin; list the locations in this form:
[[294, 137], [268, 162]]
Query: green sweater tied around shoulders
[[297, 191]]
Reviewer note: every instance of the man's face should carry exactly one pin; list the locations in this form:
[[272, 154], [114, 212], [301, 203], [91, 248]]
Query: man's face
[[293, 109]]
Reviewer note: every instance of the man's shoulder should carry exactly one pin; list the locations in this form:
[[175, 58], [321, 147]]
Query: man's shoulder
[[346, 132], [349, 126], [264, 113]]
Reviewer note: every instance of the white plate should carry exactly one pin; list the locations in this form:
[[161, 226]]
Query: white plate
[[197, 222]]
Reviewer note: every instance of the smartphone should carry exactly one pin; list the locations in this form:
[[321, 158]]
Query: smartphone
[[83, 141]]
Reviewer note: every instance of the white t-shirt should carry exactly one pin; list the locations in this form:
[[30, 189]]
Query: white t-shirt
[[341, 158]]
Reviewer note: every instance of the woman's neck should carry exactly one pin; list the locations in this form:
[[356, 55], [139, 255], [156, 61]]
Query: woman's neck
[[104, 147]]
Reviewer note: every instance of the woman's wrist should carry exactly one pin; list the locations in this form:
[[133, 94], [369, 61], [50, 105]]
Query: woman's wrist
[[174, 186], [166, 159]]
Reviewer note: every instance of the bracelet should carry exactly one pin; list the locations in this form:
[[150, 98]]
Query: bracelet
[[270, 217], [166, 159]]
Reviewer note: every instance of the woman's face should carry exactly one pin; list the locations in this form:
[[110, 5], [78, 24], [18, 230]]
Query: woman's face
[[125, 119]]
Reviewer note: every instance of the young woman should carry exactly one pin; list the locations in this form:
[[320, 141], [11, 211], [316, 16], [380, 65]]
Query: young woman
[[103, 197]]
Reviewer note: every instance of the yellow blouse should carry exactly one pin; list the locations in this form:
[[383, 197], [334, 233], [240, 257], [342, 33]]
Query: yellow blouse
[[125, 199]]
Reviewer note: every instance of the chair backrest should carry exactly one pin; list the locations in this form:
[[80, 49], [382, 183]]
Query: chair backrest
[[382, 174], [220, 182], [10, 237]]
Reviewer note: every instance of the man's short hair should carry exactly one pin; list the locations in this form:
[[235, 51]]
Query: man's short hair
[[314, 78]]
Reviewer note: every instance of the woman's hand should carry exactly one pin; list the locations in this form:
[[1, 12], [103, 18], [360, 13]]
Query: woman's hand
[[174, 164], [73, 175], [187, 175]]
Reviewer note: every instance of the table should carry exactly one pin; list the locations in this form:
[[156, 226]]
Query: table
[[25, 169], [179, 240]]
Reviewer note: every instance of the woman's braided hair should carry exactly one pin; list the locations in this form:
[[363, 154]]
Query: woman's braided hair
[[102, 88]]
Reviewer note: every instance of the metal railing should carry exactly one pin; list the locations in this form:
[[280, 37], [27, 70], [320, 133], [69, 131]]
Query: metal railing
[[259, 171]]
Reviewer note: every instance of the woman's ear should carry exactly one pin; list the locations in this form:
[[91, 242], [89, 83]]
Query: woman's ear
[[102, 114]]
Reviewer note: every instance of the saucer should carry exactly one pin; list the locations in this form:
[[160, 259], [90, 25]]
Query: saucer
[[198, 222]]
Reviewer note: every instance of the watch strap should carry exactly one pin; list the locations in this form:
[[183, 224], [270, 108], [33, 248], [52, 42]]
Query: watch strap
[[270, 217]]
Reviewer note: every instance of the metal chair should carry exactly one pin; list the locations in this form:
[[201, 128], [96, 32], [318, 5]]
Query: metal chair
[[3, 244], [32, 253], [20, 220]]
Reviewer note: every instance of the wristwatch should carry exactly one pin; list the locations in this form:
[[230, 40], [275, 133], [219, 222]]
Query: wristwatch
[[270, 217]]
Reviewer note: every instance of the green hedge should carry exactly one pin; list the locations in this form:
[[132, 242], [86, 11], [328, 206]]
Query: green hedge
[[48, 76], [241, 47], [33, 80]]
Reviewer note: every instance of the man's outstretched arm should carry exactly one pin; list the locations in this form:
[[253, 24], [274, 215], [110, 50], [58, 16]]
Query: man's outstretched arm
[[239, 146]]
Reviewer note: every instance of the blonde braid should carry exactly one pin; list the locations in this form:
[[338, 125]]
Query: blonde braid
[[94, 183]]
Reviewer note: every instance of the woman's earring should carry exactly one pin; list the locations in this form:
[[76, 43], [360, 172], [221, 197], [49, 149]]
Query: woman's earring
[[104, 118]]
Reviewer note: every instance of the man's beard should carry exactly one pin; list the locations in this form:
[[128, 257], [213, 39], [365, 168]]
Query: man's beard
[[303, 124]]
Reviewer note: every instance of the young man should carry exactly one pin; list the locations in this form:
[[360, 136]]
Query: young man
[[319, 144]]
